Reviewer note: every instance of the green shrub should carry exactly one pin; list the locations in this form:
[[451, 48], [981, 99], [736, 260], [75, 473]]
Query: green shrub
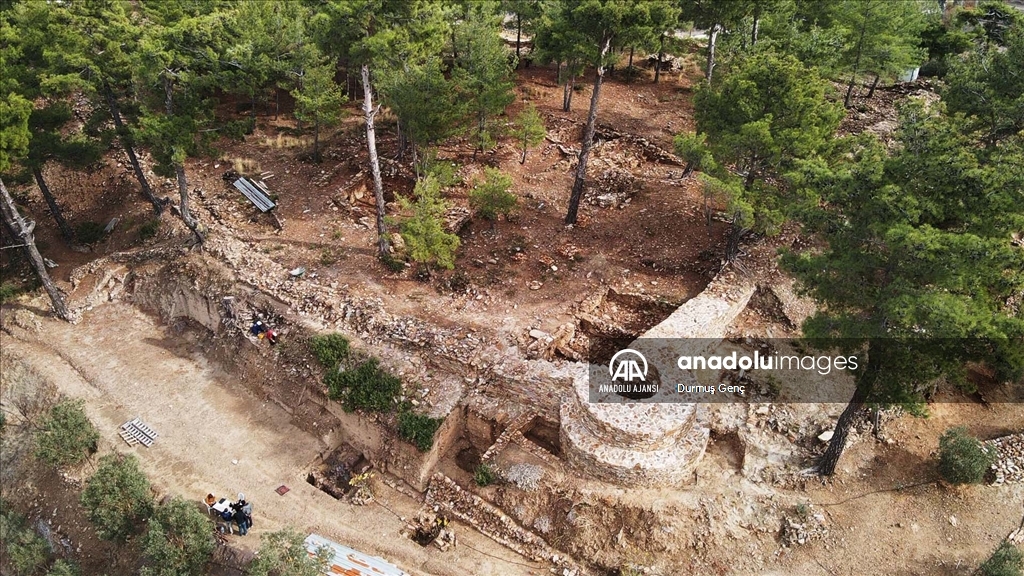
[[149, 229], [365, 387], [423, 231], [1007, 560], [963, 459], [66, 437], [483, 476], [391, 263], [329, 349], [418, 429], [63, 568], [446, 171], [22, 551], [89, 232], [179, 541], [116, 497], [8, 292], [491, 197], [283, 553]]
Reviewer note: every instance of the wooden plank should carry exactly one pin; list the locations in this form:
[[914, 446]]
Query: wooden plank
[[257, 194]]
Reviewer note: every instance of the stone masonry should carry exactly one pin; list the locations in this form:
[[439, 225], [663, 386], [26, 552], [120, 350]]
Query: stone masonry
[[644, 443]]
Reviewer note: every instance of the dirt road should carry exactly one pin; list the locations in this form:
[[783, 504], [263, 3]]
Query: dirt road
[[124, 365]]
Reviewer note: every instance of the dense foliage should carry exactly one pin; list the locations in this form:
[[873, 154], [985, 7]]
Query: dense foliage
[[418, 429], [22, 551], [283, 553], [963, 459], [329, 349], [918, 236], [66, 437], [117, 497], [423, 230], [367, 386], [492, 197], [1007, 560], [179, 540]]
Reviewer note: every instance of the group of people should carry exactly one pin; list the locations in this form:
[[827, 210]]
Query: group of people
[[239, 512], [260, 330]]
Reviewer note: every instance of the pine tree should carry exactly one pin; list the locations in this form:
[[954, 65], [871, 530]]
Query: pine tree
[[483, 71], [267, 36], [769, 112], [14, 141], [492, 198], [987, 84], [423, 231], [599, 24], [178, 542], [559, 41], [116, 497], [180, 59], [715, 17], [283, 553], [885, 38], [426, 103], [102, 64], [318, 100], [918, 266], [528, 129], [377, 35], [48, 143]]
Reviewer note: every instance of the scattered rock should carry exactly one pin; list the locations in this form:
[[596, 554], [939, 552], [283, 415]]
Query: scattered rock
[[1009, 464]]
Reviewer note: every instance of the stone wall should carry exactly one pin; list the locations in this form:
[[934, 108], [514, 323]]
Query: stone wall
[[650, 444]]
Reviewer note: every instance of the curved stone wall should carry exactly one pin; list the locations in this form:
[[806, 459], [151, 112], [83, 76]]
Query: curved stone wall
[[649, 444]]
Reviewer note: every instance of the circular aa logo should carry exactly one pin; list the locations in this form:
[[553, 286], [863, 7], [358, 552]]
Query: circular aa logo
[[625, 365]]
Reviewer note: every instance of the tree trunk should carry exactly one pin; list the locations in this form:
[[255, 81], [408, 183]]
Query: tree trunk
[[316, 140], [757, 21], [751, 172], [849, 90], [588, 139], [480, 132], [732, 244], [65, 229], [186, 215], [827, 463], [519, 33], [371, 146], [874, 85], [23, 232], [115, 113], [252, 112], [661, 54], [570, 85], [523, 159], [403, 140], [712, 40], [631, 50], [860, 51]]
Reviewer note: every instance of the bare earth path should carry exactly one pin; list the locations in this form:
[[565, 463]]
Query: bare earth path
[[125, 365]]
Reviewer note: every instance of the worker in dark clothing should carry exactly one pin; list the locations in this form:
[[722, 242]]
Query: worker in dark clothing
[[258, 328]]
